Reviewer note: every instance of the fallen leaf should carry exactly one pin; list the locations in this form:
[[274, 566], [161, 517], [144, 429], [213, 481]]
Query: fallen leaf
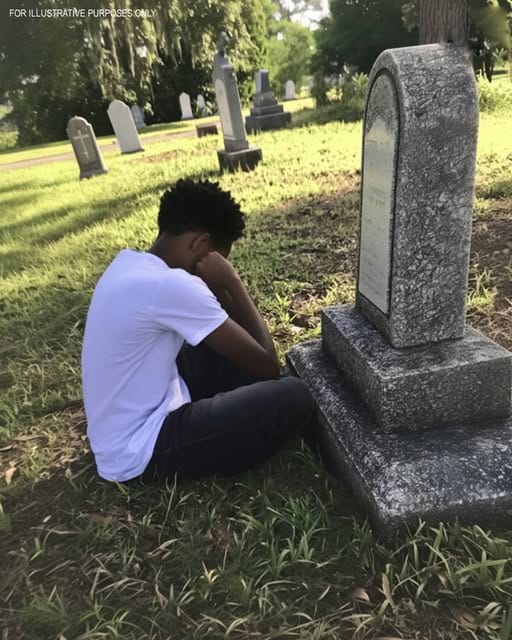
[[386, 590], [359, 594], [464, 617], [9, 474], [102, 521], [7, 448]]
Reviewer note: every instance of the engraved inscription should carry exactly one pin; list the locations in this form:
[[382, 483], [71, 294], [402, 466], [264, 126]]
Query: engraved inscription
[[377, 208], [222, 103]]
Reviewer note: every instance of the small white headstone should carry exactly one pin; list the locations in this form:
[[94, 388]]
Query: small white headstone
[[138, 116], [124, 127], [186, 107], [289, 90], [201, 105], [87, 152]]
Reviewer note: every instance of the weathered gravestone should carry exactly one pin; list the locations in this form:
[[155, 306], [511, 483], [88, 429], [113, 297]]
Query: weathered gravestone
[[237, 153], [87, 153], [201, 105], [124, 127], [289, 90], [266, 113], [138, 116], [186, 107], [414, 406]]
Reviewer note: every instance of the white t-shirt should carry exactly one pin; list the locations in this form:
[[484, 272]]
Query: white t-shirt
[[140, 314]]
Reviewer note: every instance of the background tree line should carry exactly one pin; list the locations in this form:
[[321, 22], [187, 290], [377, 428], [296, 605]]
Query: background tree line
[[356, 31], [52, 69]]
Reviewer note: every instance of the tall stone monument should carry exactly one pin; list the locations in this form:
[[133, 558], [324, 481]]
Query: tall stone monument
[[124, 127], [87, 153], [266, 113], [414, 406], [237, 154]]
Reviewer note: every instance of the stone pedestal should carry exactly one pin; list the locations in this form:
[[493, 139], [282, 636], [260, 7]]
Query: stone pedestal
[[450, 382], [266, 113], [464, 471], [246, 159], [269, 115]]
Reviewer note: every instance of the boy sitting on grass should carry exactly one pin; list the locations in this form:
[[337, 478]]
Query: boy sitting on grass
[[156, 407]]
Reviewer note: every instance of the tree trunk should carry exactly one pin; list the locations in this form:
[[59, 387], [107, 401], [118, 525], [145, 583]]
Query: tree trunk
[[443, 21]]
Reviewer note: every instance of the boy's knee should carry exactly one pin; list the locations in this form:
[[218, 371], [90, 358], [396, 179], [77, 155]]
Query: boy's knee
[[297, 396]]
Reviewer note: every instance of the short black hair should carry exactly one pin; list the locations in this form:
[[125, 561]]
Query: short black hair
[[201, 206]]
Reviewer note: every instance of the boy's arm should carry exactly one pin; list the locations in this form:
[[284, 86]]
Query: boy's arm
[[220, 275]]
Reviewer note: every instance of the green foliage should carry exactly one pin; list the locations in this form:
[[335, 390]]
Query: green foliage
[[319, 89], [356, 32], [354, 96], [289, 54], [145, 60], [495, 97], [8, 139]]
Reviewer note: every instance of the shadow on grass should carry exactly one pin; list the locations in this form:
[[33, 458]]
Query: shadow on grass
[[67, 220], [333, 112]]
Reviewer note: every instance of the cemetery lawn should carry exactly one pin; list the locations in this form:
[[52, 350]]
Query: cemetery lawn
[[280, 552]]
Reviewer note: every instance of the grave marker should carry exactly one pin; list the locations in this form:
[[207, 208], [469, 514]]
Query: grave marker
[[266, 113], [201, 105], [85, 147], [138, 116], [414, 406], [124, 127], [186, 107], [289, 90]]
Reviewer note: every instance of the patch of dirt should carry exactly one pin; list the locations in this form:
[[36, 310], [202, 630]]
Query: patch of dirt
[[160, 157], [491, 249]]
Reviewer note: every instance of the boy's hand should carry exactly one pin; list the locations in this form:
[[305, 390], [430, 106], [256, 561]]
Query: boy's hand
[[216, 271]]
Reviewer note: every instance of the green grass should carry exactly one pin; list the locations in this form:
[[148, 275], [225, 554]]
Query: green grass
[[280, 552], [9, 154]]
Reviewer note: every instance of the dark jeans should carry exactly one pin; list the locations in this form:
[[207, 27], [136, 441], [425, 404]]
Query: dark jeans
[[233, 422]]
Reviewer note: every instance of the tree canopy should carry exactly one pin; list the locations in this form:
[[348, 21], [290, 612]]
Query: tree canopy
[[356, 32], [76, 66]]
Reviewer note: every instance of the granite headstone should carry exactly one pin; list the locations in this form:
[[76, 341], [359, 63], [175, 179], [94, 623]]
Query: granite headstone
[[86, 150], [124, 127], [415, 407], [265, 113]]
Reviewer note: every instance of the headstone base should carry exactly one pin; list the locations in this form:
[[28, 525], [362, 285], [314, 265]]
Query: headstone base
[[91, 173], [124, 153], [254, 124], [246, 159], [462, 472], [206, 130], [421, 387]]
